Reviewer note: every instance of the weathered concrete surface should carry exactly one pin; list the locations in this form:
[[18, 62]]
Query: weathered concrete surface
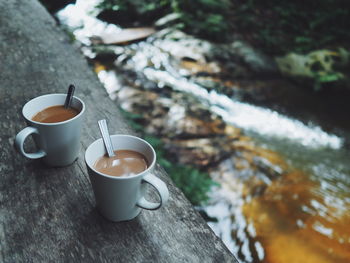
[[48, 214]]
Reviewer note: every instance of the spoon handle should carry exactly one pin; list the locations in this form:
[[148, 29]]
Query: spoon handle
[[69, 97], [106, 138]]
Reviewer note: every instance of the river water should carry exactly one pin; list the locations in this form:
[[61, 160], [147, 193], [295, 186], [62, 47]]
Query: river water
[[299, 210]]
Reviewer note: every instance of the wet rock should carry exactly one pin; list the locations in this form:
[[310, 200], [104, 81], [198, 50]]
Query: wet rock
[[167, 21], [256, 60], [199, 152], [127, 35], [180, 45], [321, 65], [192, 67], [172, 118], [136, 101]]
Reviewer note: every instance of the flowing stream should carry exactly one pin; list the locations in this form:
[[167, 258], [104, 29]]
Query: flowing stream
[[302, 213]]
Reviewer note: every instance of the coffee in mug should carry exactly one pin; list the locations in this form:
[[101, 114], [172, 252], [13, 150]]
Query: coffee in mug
[[54, 114], [124, 163], [120, 198], [58, 141]]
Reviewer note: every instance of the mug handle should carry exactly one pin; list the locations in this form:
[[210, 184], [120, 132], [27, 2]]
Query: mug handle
[[19, 142], [162, 190]]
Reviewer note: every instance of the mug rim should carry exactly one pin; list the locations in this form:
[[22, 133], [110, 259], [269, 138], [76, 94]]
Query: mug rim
[[54, 123], [100, 141]]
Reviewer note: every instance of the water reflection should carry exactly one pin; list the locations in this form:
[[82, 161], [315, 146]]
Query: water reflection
[[297, 211], [293, 216]]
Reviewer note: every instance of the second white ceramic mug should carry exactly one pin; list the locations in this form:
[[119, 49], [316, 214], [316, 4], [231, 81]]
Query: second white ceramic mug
[[120, 198], [58, 143]]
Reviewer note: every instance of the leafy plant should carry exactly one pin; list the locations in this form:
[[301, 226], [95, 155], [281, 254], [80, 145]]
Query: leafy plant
[[133, 119], [326, 78], [193, 183], [279, 27], [204, 18]]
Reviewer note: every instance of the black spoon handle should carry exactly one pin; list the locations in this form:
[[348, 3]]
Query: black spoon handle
[[69, 97]]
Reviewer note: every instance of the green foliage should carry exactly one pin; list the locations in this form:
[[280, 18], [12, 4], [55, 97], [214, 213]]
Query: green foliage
[[276, 26], [326, 78], [194, 183], [141, 6], [203, 18], [133, 119], [279, 27]]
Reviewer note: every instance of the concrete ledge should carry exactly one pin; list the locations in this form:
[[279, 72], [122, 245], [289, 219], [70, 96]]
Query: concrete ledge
[[48, 214]]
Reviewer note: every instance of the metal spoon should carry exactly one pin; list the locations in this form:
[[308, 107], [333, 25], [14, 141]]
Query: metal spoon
[[69, 97], [106, 138]]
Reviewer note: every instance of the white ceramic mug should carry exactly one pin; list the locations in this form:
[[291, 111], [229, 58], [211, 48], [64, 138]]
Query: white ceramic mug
[[120, 198], [58, 143]]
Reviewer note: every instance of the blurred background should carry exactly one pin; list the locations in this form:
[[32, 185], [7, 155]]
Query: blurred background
[[247, 105]]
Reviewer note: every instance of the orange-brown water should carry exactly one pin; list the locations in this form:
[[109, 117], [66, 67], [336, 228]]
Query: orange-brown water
[[293, 223]]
